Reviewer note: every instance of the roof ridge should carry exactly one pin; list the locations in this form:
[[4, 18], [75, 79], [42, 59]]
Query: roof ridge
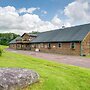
[[66, 28]]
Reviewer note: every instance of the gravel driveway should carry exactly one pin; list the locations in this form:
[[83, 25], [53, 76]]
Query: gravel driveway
[[72, 60]]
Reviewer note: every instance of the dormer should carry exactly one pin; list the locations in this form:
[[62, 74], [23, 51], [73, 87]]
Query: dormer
[[28, 36]]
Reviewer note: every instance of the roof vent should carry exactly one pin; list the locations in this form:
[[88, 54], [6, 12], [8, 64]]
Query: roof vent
[[63, 26]]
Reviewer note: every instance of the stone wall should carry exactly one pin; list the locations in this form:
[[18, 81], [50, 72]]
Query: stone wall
[[20, 46], [54, 47], [64, 49], [12, 46], [86, 45], [26, 37]]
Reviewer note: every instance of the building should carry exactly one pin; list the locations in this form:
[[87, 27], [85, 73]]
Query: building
[[68, 41], [23, 42]]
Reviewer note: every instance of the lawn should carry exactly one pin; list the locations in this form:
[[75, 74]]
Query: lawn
[[88, 56], [53, 76]]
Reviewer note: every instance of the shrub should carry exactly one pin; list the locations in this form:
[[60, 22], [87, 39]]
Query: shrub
[[1, 51]]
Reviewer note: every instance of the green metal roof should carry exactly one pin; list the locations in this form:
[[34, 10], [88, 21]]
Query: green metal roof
[[76, 33], [32, 34], [14, 41]]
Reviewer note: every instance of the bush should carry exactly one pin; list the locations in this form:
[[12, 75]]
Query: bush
[[1, 51]]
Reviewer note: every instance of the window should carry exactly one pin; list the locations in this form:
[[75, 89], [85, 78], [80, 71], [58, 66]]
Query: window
[[72, 46], [49, 45], [41, 45], [59, 45], [33, 46], [45, 46], [12, 45]]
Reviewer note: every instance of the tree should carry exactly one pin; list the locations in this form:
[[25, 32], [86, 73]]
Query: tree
[[5, 38]]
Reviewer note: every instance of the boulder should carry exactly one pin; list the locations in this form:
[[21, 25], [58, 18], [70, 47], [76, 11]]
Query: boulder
[[16, 78]]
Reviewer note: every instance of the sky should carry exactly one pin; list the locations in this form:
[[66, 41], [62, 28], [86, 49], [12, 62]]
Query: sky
[[20, 16]]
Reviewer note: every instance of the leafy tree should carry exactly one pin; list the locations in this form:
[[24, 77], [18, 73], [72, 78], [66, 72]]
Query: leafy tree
[[34, 32], [5, 38]]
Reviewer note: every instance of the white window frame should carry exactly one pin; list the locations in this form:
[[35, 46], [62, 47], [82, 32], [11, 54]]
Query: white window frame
[[74, 45]]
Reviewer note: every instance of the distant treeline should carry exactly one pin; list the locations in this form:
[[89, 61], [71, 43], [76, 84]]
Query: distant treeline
[[5, 38]]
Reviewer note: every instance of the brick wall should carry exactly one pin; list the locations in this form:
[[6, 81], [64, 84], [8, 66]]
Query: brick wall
[[20, 46], [64, 49], [12, 46], [25, 46]]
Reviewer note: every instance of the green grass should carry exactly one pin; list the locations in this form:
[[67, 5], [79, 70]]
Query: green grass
[[88, 56], [3, 47], [53, 76]]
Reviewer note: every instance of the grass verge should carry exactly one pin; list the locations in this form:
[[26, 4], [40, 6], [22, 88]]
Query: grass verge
[[53, 76]]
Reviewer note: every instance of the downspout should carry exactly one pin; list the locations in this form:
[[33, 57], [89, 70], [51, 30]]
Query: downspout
[[16, 46], [81, 49]]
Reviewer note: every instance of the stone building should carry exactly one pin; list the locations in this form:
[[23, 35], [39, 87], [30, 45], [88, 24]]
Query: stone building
[[23, 42], [68, 41]]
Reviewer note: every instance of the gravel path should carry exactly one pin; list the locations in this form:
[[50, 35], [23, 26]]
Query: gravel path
[[72, 60]]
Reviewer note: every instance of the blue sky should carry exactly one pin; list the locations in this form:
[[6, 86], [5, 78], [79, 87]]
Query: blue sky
[[20, 16], [51, 6]]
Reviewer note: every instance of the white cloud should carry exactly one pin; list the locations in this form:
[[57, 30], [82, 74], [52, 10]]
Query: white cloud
[[29, 10], [56, 21], [59, 23], [44, 12], [22, 10], [78, 11], [11, 21]]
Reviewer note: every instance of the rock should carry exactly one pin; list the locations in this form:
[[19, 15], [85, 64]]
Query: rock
[[16, 78]]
